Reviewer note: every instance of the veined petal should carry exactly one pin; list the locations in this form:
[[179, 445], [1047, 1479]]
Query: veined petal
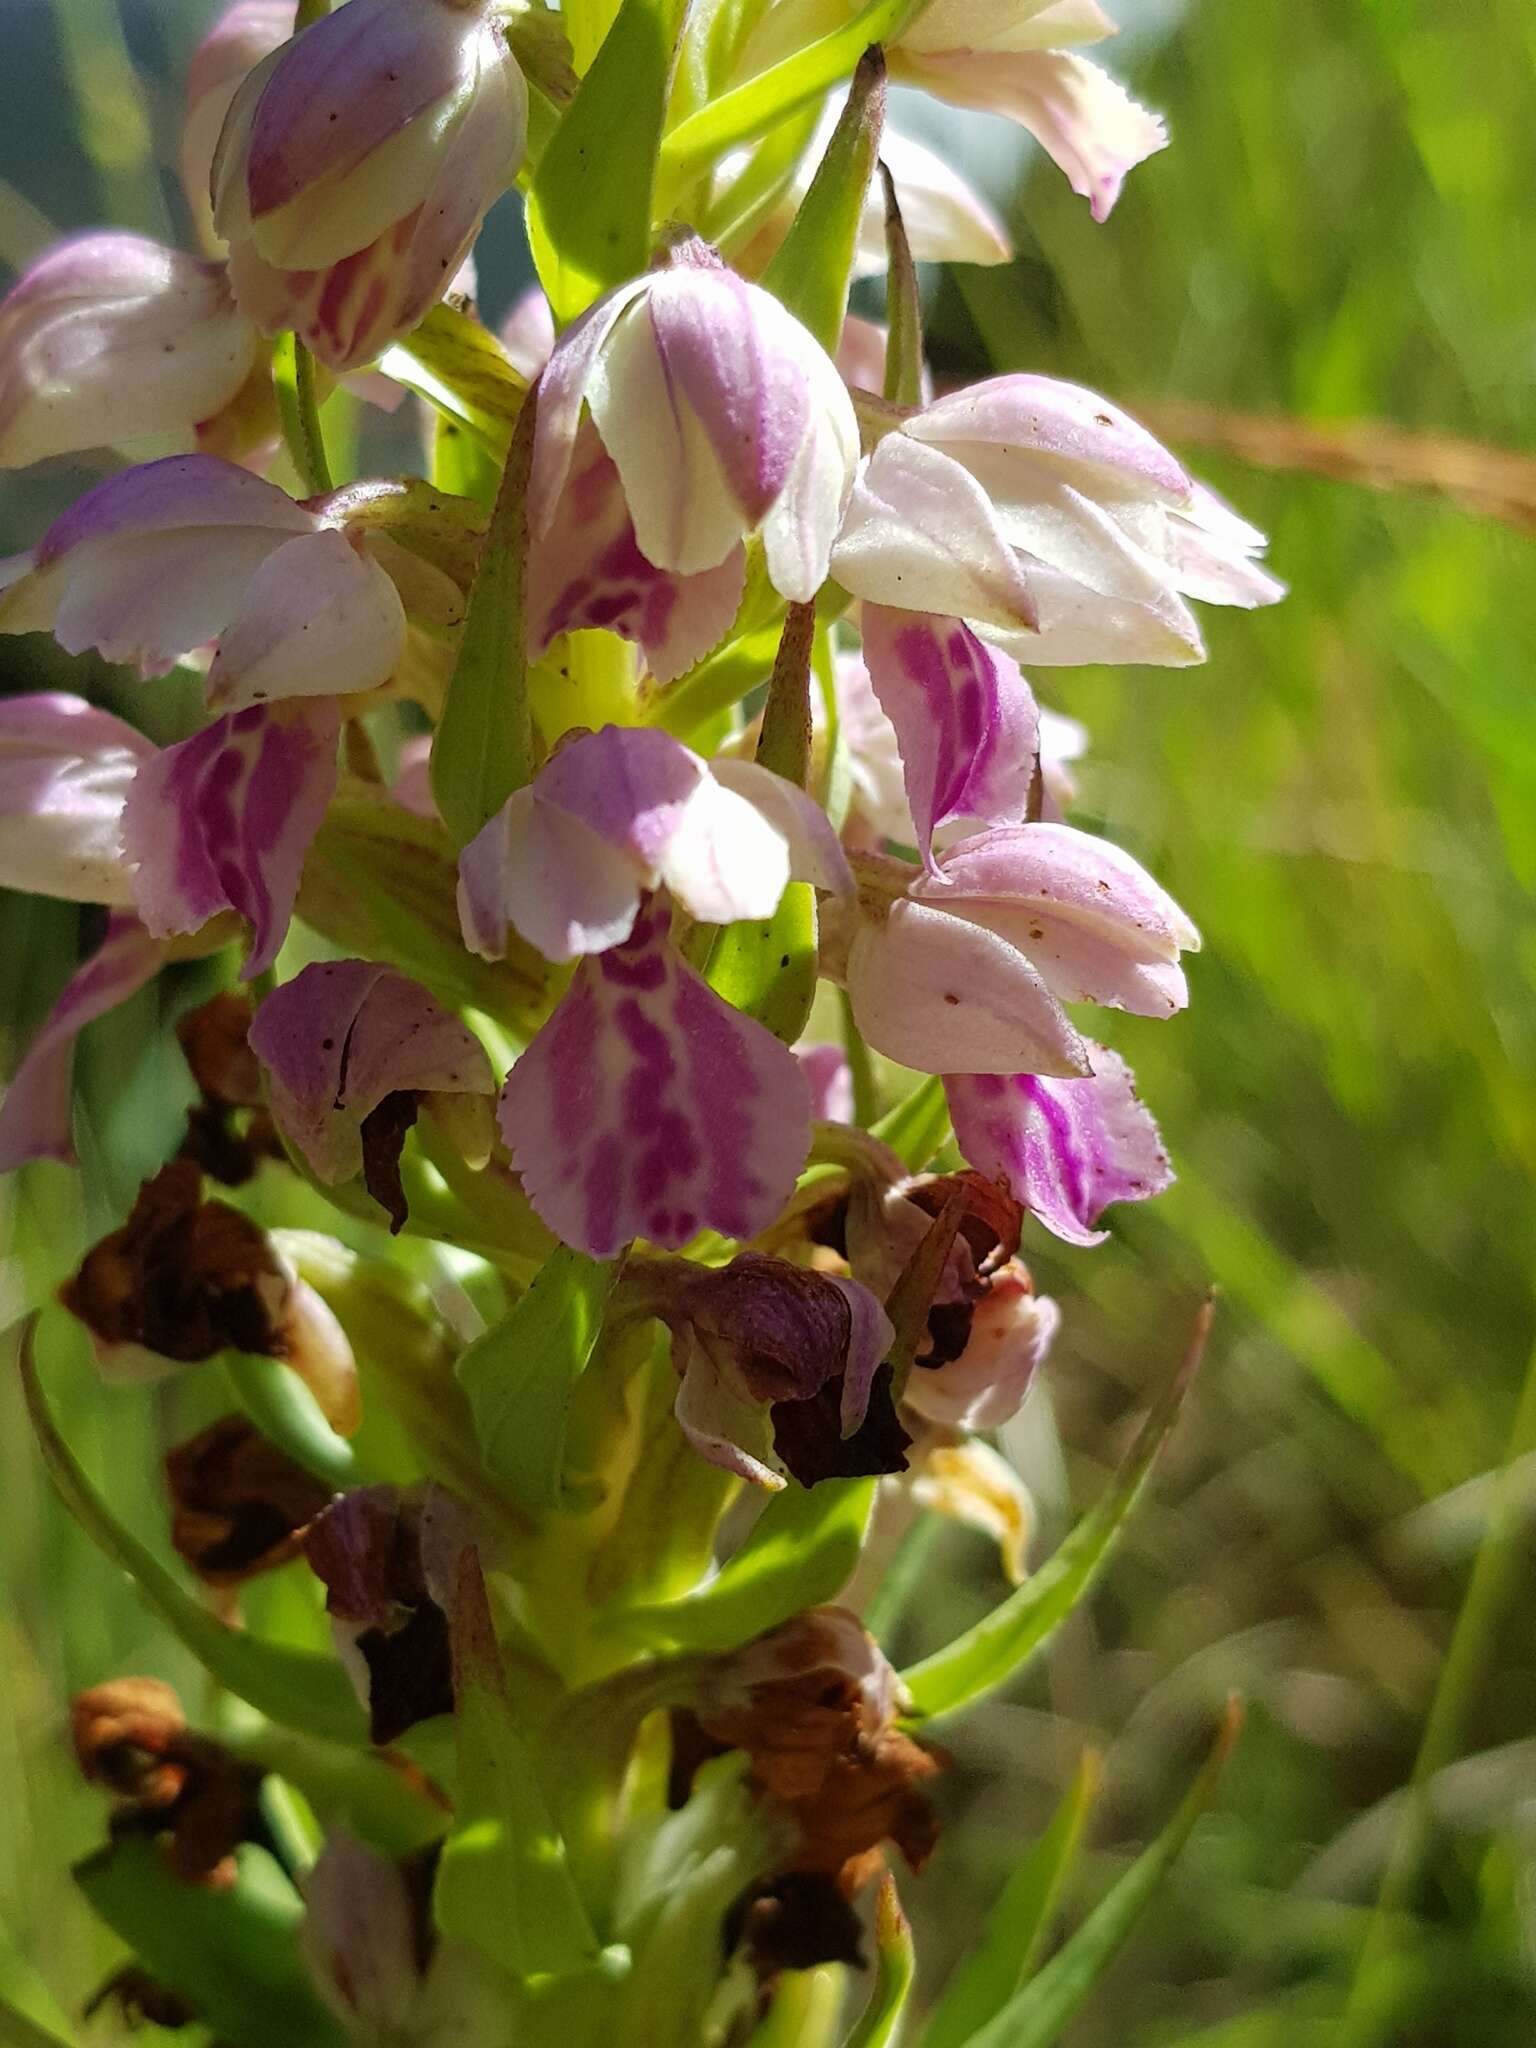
[[647, 1107], [35, 1115], [319, 618], [1067, 1149], [920, 534], [225, 819], [947, 996], [815, 851], [1065, 874], [65, 771], [339, 1038], [965, 719], [1086, 122]]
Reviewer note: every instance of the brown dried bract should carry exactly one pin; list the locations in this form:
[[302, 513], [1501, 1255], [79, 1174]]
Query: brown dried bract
[[229, 1131], [183, 1278], [239, 1505]]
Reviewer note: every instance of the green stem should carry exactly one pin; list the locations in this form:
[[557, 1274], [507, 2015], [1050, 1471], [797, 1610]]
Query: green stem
[[294, 374], [1368, 2015]]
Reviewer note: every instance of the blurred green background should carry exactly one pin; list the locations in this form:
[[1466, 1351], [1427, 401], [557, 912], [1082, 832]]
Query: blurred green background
[[1345, 798]]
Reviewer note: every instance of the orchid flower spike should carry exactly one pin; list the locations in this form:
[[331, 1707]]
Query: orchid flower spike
[[157, 561], [723, 417], [966, 972], [110, 338], [1050, 518], [357, 163], [615, 813]]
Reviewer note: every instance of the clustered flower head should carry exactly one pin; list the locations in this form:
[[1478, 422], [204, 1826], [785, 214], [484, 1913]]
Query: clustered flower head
[[634, 894]]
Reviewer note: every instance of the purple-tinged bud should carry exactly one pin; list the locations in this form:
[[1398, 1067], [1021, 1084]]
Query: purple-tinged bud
[[110, 338], [357, 163], [243, 35], [364, 1937]]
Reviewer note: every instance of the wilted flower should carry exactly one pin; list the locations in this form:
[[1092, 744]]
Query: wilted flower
[[618, 812], [160, 560], [1066, 1148], [1008, 1330], [1042, 512], [108, 338], [971, 1483], [722, 415], [357, 163], [778, 1365], [229, 1130], [239, 1505], [65, 773], [352, 1050]]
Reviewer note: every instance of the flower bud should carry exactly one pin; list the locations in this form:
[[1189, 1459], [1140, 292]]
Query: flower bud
[[243, 35], [109, 338]]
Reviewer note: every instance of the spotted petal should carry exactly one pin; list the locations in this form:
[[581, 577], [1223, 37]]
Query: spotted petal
[[647, 1107], [224, 820], [1067, 1148]]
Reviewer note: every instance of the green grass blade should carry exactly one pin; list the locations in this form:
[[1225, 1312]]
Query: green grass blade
[[918, 1125]]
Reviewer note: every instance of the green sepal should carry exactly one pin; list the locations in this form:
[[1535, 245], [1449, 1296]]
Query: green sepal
[[895, 1968], [446, 529], [813, 266], [503, 1882], [1037, 2016], [918, 1126], [461, 369], [231, 1954], [989, 1654], [800, 1553], [589, 207], [288, 1415], [484, 745], [1019, 1924], [520, 1375], [296, 1687], [903, 307]]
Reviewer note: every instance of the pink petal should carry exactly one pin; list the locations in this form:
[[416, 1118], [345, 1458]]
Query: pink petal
[[1067, 1149], [341, 1036], [826, 1069], [586, 569], [1012, 1329], [562, 886], [225, 819], [966, 720], [35, 1115], [1087, 437], [319, 618], [528, 332], [65, 771], [946, 996], [182, 491], [725, 861], [868, 1347], [240, 39], [412, 785], [815, 851], [562, 393], [647, 1107]]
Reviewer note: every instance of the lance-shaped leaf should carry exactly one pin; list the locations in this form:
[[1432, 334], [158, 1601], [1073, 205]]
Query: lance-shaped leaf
[[1037, 2015], [813, 267], [503, 1882], [903, 306], [1019, 1924], [521, 1374], [895, 1968], [769, 969], [988, 1654], [801, 1553], [589, 208], [461, 369], [484, 745], [292, 1686], [231, 1953]]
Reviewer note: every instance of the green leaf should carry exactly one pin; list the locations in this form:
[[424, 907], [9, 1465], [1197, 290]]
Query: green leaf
[[231, 1954], [813, 266], [589, 207], [1036, 2016], [988, 1654], [288, 1415], [895, 1968], [292, 1686], [903, 307], [800, 1553], [503, 1882], [919, 1124], [17, 2031], [1019, 1924], [484, 745], [521, 1374], [752, 109], [461, 369], [358, 1789]]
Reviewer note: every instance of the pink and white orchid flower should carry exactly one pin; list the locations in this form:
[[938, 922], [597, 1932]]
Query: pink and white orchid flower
[[1011, 1330], [648, 1107], [967, 972], [357, 163], [723, 417], [157, 561], [614, 814], [240, 38], [1066, 1148], [65, 773], [1051, 519], [110, 338]]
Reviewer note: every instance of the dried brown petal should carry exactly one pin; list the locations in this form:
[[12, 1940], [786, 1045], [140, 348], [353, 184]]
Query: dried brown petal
[[239, 1504], [795, 1922], [808, 1435], [123, 1733], [228, 1131], [383, 1132]]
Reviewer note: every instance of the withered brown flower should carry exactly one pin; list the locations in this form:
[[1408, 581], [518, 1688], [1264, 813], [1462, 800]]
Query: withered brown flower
[[239, 1505]]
